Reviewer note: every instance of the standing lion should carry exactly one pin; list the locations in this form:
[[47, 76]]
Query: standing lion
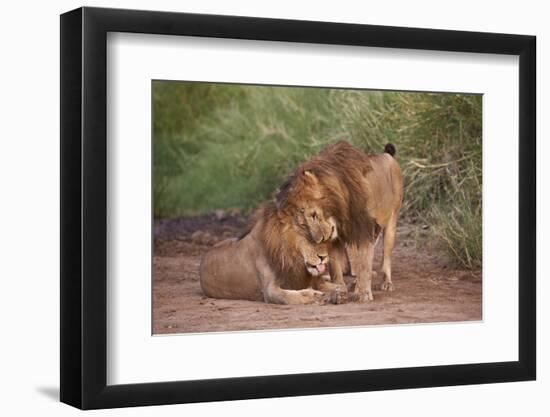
[[348, 197]]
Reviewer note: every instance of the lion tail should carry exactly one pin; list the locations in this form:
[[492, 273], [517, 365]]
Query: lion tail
[[390, 148]]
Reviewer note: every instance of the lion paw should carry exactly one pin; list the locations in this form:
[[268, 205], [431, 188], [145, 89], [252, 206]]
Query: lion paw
[[310, 296], [387, 286], [335, 297], [364, 296]]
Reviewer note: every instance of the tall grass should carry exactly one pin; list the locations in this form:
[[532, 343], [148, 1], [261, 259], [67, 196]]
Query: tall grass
[[438, 139], [225, 146]]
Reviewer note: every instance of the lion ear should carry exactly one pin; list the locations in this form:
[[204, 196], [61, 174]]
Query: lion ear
[[310, 176]]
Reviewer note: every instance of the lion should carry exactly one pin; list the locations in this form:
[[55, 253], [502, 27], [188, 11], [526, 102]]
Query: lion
[[356, 197], [273, 262]]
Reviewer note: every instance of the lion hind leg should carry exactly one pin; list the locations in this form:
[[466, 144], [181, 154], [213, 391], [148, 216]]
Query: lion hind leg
[[389, 243]]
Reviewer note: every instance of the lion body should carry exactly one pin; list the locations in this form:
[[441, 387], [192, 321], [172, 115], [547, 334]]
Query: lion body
[[228, 271]]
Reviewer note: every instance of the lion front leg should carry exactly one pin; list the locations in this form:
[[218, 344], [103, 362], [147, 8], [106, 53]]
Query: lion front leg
[[277, 295], [332, 293], [352, 255], [273, 293], [338, 258], [364, 263]]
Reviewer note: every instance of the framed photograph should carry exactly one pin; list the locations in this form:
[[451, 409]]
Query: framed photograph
[[259, 208]]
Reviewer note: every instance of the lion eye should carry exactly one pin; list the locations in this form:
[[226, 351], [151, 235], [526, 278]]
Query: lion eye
[[302, 210], [314, 216]]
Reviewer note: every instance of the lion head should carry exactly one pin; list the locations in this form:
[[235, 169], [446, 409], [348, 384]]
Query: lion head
[[292, 253], [311, 217], [307, 206]]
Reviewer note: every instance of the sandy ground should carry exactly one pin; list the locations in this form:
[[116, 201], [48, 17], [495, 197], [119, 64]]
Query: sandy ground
[[426, 289]]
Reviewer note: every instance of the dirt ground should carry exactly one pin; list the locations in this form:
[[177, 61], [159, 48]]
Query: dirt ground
[[426, 289]]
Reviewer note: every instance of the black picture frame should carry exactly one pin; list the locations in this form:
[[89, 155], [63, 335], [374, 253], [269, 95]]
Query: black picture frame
[[84, 207]]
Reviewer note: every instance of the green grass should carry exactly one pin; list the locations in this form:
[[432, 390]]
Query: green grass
[[225, 146]]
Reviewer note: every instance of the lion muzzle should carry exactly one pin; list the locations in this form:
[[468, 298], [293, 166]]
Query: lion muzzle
[[316, 270]]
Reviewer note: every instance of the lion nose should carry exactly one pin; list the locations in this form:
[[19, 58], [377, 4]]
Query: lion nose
[[322, 257]]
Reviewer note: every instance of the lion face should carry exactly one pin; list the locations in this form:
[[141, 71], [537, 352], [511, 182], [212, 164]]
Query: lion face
[[315, 257], [303, 197], [312, 218]]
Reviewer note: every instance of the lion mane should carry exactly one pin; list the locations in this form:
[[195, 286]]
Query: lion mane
[[282, 243]]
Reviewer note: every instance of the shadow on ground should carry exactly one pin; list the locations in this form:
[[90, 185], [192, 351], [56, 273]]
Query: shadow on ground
[[50, 392]]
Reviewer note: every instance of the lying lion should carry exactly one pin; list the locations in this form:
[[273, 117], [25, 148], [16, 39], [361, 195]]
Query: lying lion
[[350, 198], [274, 262]]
